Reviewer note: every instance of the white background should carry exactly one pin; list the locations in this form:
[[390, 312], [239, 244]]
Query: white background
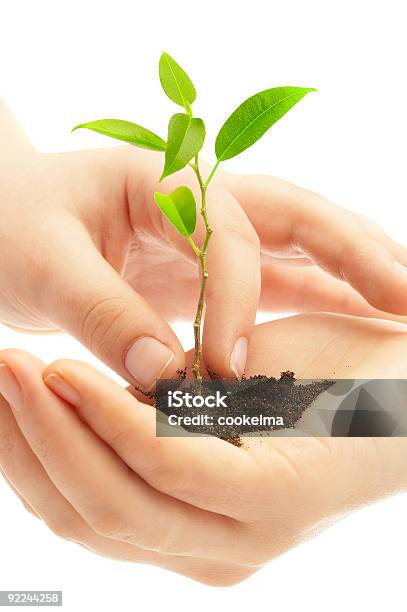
[[63, 62]]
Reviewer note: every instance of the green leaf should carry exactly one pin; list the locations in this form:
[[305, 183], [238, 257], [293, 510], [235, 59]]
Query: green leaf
[[180, 209], [176, 83], [126, 131], [254, 117], [186, 136]]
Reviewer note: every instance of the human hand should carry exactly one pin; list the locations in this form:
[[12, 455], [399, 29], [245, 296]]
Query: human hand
[[82, 453], [84, 248]]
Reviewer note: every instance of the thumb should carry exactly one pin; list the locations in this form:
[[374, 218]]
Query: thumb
[[93, 303]]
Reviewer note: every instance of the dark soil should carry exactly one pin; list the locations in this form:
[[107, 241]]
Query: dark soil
[[235, 440], [259, 394], [277, 397]]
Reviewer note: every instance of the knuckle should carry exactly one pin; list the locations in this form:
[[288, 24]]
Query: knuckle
[[352, 246], [104, 323], [248, 237], [111, 525], [67, 527], [140, 531], [166, 477], [254, 554], [343, 258], [171, 542], [253, 549], [43, 448], [27, 507], [223, 577]]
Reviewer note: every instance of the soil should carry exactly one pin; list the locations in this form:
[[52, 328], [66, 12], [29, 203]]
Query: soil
[[260, 395]]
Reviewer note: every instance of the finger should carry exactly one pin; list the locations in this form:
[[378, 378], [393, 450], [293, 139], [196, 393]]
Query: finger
[[376, 232], [29, 481], [6, 446], [25, 503], [233, 287], [91, 301], [287, 288], [114, 501], [326, 478], [205, 472], [331, 236]]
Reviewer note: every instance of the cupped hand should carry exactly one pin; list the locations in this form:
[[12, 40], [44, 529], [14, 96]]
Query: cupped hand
[[83, 247], [82, 454]]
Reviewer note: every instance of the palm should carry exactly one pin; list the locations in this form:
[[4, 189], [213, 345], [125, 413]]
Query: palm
[[327, 345], [316, 475], [155, 268], [166, 279]]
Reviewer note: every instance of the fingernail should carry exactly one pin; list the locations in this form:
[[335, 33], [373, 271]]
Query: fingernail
[[9, 387], [61, 387], [238, 357], [146, 360]]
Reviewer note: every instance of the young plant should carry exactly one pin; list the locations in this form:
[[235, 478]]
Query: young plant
[[186, 136]]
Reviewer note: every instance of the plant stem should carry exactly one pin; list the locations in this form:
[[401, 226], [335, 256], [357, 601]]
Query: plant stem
[[196, 366], [194, 247]]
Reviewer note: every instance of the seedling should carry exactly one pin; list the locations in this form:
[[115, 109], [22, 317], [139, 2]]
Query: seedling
[[186, 136]]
